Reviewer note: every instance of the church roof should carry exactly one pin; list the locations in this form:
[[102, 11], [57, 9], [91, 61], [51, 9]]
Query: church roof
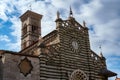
[[53, 32], [107, 73], [14, 53], [7, 51], [29, 13]]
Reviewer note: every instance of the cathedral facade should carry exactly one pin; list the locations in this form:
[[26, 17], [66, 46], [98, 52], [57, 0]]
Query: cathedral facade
[[63, 54]]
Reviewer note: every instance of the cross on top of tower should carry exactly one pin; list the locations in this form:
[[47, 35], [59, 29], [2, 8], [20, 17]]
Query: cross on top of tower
[[100, 47], [30, 8], [30, 4], [71, 13]]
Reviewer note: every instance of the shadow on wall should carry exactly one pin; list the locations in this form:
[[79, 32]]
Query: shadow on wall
[[1, 68]]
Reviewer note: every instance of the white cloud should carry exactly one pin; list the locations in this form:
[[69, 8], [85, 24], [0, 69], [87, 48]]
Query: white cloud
[[16, 27], [62, 3], [107, 34], [3, 8], [105, 25], [113, 65], [4, 38]]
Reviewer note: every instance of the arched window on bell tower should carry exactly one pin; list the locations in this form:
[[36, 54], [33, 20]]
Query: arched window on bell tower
[[24, 30], [34, 29]]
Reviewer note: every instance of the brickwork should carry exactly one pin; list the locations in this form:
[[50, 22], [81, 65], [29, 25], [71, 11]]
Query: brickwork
[[11, 70]]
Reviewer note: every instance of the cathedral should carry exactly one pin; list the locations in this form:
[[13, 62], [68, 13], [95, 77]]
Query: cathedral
[[63, 54]]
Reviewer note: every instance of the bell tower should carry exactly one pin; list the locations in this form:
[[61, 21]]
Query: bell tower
[[31, 28]]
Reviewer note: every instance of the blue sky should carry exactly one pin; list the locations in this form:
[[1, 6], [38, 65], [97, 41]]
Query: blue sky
[[102, 18]]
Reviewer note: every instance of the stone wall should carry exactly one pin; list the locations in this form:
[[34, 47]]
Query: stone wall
[[11, 69], [1, 69]]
